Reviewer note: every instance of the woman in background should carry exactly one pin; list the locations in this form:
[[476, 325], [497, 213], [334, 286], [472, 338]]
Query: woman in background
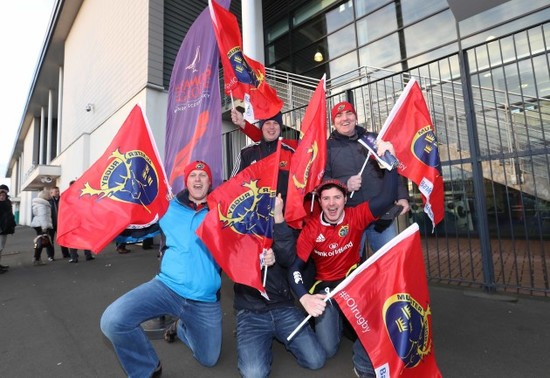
[[42, 224]]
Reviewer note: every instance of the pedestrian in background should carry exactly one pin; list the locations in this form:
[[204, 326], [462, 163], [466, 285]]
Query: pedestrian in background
[[54, 203], [42, 224], [7, 221]]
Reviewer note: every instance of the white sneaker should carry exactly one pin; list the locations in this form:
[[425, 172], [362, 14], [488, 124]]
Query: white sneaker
[[50, 259]]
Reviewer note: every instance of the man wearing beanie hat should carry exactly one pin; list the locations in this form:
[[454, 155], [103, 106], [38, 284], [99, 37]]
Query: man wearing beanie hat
[[337, 232], [7, 221], [186, 287], [271, 130], [345, 158]]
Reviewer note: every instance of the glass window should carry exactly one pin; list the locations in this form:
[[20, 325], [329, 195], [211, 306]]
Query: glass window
[[340, 16], [433, 55], [500, 13], [277, 50], [317, 72], [432, 32], [309, 33], [343, 64], [310, 10], [414, 10], [381, 53], [284, 65], [303, 59], [526, 21], [376, 25], [341, 42], [277, 30], [363, 7]]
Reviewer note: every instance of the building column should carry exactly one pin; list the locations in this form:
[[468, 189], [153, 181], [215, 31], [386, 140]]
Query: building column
[[59, 108], [49, 136], [41, 141], [253, 30]]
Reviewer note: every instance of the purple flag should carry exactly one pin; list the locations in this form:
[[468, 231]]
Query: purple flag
[[193, 122]]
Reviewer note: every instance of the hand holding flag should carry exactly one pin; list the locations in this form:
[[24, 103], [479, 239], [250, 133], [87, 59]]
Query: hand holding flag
[[244, 77], [410, 129], [239, 225]]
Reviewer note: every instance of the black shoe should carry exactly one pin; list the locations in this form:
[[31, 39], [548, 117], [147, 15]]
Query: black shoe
[[4, 267], [158, 371], [171, 332], [88, 258]]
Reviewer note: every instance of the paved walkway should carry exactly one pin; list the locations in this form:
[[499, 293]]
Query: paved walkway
[[49, 324]]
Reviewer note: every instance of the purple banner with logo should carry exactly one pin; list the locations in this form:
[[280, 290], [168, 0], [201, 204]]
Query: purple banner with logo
[[193, 122]]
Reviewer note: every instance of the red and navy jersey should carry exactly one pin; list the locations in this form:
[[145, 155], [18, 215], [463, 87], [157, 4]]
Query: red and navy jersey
[[334, 248]]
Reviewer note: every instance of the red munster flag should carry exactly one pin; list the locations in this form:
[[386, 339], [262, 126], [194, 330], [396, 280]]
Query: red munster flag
[[410, 129], [125, 188], [308, 162], [387, 302], [240, 222], [244, 77]]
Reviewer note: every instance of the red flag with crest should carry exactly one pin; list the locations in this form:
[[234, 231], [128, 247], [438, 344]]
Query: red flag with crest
[[308, 162], [243, 76], [240, 222], [125, 188], [410, 129], [387, 302]]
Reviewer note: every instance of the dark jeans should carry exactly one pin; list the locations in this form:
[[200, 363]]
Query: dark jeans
[[64, 250], [74, 253], [39, 246]]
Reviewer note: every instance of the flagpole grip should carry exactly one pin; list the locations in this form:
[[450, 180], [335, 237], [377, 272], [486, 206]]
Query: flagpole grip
[[361, 171]]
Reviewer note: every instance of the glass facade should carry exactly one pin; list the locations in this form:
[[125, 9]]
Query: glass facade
[[486, 81]]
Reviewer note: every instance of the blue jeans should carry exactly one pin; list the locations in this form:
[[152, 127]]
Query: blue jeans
[[255, 334], [329, 328], [200, 326], [376, 239]]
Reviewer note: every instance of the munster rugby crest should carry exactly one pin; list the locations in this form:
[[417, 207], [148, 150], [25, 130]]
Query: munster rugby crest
[[244, 73], [251, 212], [130, 177], [424, 147], [408, 326]]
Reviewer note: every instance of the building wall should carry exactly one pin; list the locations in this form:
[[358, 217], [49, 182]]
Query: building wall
[[105, 63]]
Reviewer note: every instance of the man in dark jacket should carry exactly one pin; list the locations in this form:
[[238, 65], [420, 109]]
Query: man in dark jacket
[[54, 203], [271, 130], [345, 158], [7, 221]]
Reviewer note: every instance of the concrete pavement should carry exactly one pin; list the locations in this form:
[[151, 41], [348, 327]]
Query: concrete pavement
[[49, 324]]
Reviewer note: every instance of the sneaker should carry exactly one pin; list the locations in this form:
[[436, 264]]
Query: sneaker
[[73, 261], [51, 259], [4, 267], [38, 262], [171, 332], [88, 258]]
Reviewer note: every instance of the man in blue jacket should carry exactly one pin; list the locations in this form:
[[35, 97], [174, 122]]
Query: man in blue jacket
[[187, 287]]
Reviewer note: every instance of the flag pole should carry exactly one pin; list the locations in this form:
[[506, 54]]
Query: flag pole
[[232, 102], [278, 152], [361, 171]]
